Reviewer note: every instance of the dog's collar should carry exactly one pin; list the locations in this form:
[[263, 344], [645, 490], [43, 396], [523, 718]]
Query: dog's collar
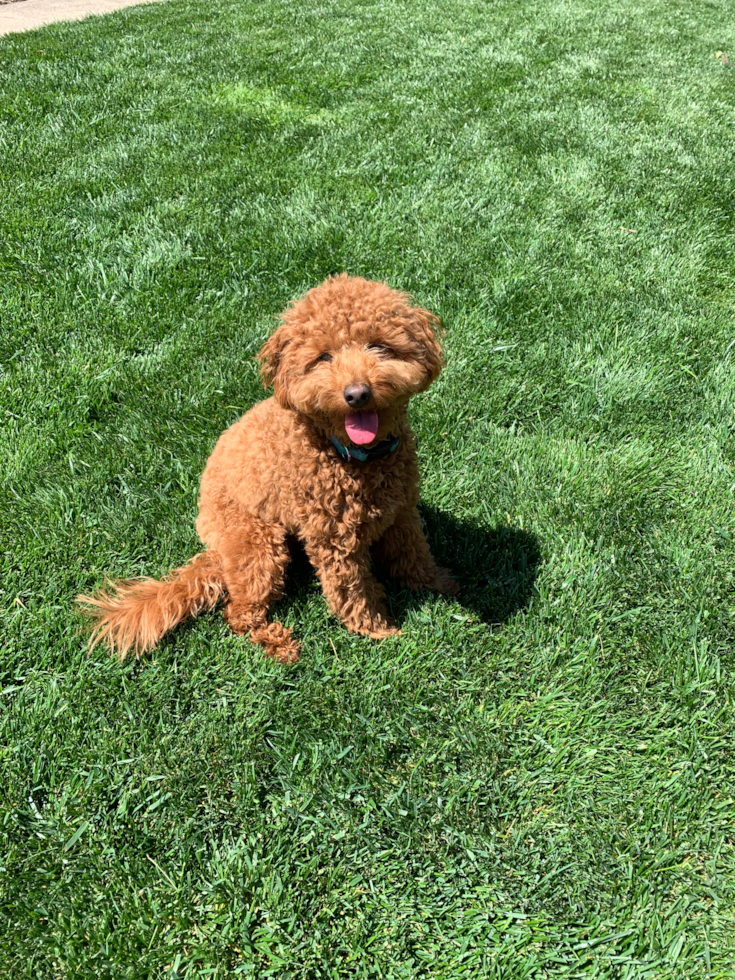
[[356, 453]]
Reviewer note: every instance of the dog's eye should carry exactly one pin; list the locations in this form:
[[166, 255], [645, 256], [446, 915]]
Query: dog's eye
[[326, 356], [381, 349]]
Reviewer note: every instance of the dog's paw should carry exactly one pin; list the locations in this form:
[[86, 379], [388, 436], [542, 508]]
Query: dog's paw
[[275, 638], [444, 583], [382, 634], [284, 653], [441, 582], [239, 622], [377, 627], [277, 641]]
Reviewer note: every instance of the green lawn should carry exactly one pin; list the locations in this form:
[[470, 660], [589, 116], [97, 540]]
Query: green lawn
[[534, 780]]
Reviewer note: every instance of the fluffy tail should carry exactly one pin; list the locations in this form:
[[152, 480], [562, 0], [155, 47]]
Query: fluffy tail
[[141, 611]]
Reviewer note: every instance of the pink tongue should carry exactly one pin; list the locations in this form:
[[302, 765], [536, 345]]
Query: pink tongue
[[362, 427]]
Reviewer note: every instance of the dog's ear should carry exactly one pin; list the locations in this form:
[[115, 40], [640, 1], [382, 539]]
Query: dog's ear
[[270, 357], [427, 329]]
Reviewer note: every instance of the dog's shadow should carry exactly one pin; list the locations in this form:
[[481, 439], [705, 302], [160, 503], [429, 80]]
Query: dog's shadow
[[496, 567]]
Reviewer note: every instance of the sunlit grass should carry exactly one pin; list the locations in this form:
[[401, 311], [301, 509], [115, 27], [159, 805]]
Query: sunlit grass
[[534, 780]]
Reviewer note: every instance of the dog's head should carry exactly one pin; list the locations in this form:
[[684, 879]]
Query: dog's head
[[350, 354]]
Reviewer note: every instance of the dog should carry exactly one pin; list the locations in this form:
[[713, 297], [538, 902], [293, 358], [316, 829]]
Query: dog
[[329, 459]]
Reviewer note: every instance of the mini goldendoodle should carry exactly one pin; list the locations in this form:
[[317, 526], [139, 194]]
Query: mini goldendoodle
[[329, 459]]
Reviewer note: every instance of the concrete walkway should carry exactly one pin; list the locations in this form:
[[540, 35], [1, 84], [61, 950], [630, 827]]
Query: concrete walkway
[[26, 14]]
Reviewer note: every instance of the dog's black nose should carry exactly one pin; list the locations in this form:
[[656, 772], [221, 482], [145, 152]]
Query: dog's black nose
[[357, 396]]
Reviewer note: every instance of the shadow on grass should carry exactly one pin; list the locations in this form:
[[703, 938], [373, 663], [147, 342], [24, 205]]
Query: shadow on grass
[[496, 567]]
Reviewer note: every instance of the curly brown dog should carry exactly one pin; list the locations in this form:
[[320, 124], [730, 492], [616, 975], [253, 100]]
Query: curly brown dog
[[329, 459]]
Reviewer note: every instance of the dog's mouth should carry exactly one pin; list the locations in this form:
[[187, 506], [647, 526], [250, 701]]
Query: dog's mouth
[[362, 427]]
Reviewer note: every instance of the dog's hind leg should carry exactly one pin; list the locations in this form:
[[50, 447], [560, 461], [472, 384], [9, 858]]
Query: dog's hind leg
[[255, 557]]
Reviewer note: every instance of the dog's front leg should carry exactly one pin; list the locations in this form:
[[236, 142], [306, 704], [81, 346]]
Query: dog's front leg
[[406, 551], [351, 591]]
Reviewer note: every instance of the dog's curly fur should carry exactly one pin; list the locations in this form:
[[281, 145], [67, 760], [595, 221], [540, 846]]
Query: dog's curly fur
[[275, 473]]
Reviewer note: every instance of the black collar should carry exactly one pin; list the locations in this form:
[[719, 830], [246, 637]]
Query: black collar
[[352, 454]]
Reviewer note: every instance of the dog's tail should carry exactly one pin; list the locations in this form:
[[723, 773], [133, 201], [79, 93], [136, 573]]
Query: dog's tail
[[141, 611]]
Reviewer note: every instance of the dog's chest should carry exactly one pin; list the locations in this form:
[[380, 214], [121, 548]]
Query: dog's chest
[[360, 499], [374, 503]]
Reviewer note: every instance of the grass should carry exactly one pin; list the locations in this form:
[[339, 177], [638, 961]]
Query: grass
[[535, 780]]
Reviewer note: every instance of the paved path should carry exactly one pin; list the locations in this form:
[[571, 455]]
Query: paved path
[[33, 13]]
